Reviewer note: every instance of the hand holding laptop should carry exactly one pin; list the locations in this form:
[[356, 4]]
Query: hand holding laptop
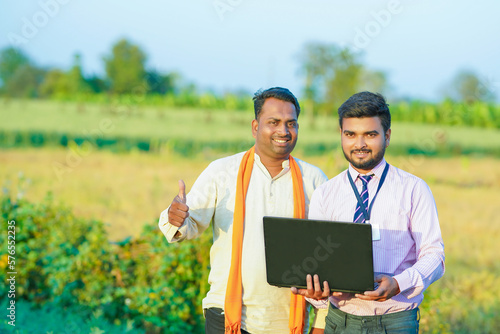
[[314, 289], [387, 288]]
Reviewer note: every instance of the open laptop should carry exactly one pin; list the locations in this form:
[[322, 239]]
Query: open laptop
[[340, 253]]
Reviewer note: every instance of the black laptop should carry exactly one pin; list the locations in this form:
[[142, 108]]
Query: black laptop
[[340, 253]]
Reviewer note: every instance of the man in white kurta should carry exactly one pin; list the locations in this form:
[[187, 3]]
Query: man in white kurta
[[265, 308]]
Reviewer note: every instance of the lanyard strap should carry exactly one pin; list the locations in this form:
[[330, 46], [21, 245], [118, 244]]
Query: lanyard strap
[[367, 213]]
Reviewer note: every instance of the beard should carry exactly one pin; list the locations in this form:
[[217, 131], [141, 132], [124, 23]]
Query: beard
[[367, 164]]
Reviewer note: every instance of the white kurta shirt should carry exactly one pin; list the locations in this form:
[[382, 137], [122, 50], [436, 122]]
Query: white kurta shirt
[[265, 307]]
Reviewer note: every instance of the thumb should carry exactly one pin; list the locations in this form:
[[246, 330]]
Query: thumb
[[182, 191]]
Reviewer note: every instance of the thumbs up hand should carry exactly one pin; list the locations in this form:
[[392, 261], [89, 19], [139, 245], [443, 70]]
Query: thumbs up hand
[[179, 211]]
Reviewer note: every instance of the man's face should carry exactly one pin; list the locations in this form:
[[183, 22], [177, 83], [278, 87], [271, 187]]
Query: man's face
[[364, 142], [276, 130]]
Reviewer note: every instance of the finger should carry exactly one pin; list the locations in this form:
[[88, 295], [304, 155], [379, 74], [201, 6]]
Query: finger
[[326, 289], [297, 291], [178, 214], [177, 217], [373, 294], [365, 297], [317, 286], [178, 206], [326, 286], [369, 294], [310, 289], [182, 191], [301, 292]]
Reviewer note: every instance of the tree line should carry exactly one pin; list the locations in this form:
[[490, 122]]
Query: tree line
[[329, 74], [126, 73]]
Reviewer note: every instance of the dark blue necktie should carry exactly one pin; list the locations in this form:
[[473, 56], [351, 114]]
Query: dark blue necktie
[[358, 215]]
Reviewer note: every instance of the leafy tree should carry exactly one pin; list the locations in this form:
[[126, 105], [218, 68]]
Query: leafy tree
[[332, 74], [467, 87], [54, 83], [159, 83], [125, 67], [11, 59], [317, 60], [96, 84], [25, 82], [346, 79], [64, 84], [76, 81]]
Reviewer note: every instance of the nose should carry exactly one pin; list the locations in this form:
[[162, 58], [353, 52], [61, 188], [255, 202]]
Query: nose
[[360, 142], [283, 129]]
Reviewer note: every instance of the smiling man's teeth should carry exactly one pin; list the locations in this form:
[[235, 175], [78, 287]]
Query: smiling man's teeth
[[280, 141]]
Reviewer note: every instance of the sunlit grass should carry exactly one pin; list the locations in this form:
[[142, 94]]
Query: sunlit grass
[[209, 125]]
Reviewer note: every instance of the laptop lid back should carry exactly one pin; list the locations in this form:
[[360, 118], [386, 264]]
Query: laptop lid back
[[340, 253]]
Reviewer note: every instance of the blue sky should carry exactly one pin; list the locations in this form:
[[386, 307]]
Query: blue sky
[[232, 44]]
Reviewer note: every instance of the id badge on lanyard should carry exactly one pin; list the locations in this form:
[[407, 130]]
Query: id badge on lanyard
[[375, 231]]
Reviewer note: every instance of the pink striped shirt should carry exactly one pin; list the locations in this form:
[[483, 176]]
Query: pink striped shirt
[[410, 247]]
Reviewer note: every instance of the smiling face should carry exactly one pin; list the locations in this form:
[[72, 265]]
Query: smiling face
[[275, 131], [364, 142]]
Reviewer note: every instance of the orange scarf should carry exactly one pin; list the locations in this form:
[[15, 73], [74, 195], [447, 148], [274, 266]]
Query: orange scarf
[[233, 302]]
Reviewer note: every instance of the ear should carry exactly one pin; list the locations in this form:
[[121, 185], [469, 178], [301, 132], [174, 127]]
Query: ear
[[387, 137], [255, 127]]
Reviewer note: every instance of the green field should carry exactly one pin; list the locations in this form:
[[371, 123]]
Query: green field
[[127, 191], [204, 127]]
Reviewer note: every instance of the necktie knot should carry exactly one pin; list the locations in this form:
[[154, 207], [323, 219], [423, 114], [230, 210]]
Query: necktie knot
[[365, 179]]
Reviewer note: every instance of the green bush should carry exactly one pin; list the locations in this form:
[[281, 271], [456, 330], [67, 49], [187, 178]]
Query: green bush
[[67, 262], [54, 319]]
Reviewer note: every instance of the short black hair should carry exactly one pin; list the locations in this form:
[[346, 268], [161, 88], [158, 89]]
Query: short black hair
[[279, 93], [366, 104]]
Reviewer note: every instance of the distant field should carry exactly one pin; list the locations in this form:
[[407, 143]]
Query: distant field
[[215, 126], [129, 190]]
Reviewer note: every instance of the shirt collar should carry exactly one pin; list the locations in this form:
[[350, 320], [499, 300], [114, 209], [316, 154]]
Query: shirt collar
[[285, 165], [377, 170]]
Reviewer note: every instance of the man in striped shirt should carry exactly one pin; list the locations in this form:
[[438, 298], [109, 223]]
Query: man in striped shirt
[[408, 251]]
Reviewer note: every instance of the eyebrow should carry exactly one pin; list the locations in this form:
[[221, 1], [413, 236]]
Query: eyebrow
[[365, 133], [279, 119]]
